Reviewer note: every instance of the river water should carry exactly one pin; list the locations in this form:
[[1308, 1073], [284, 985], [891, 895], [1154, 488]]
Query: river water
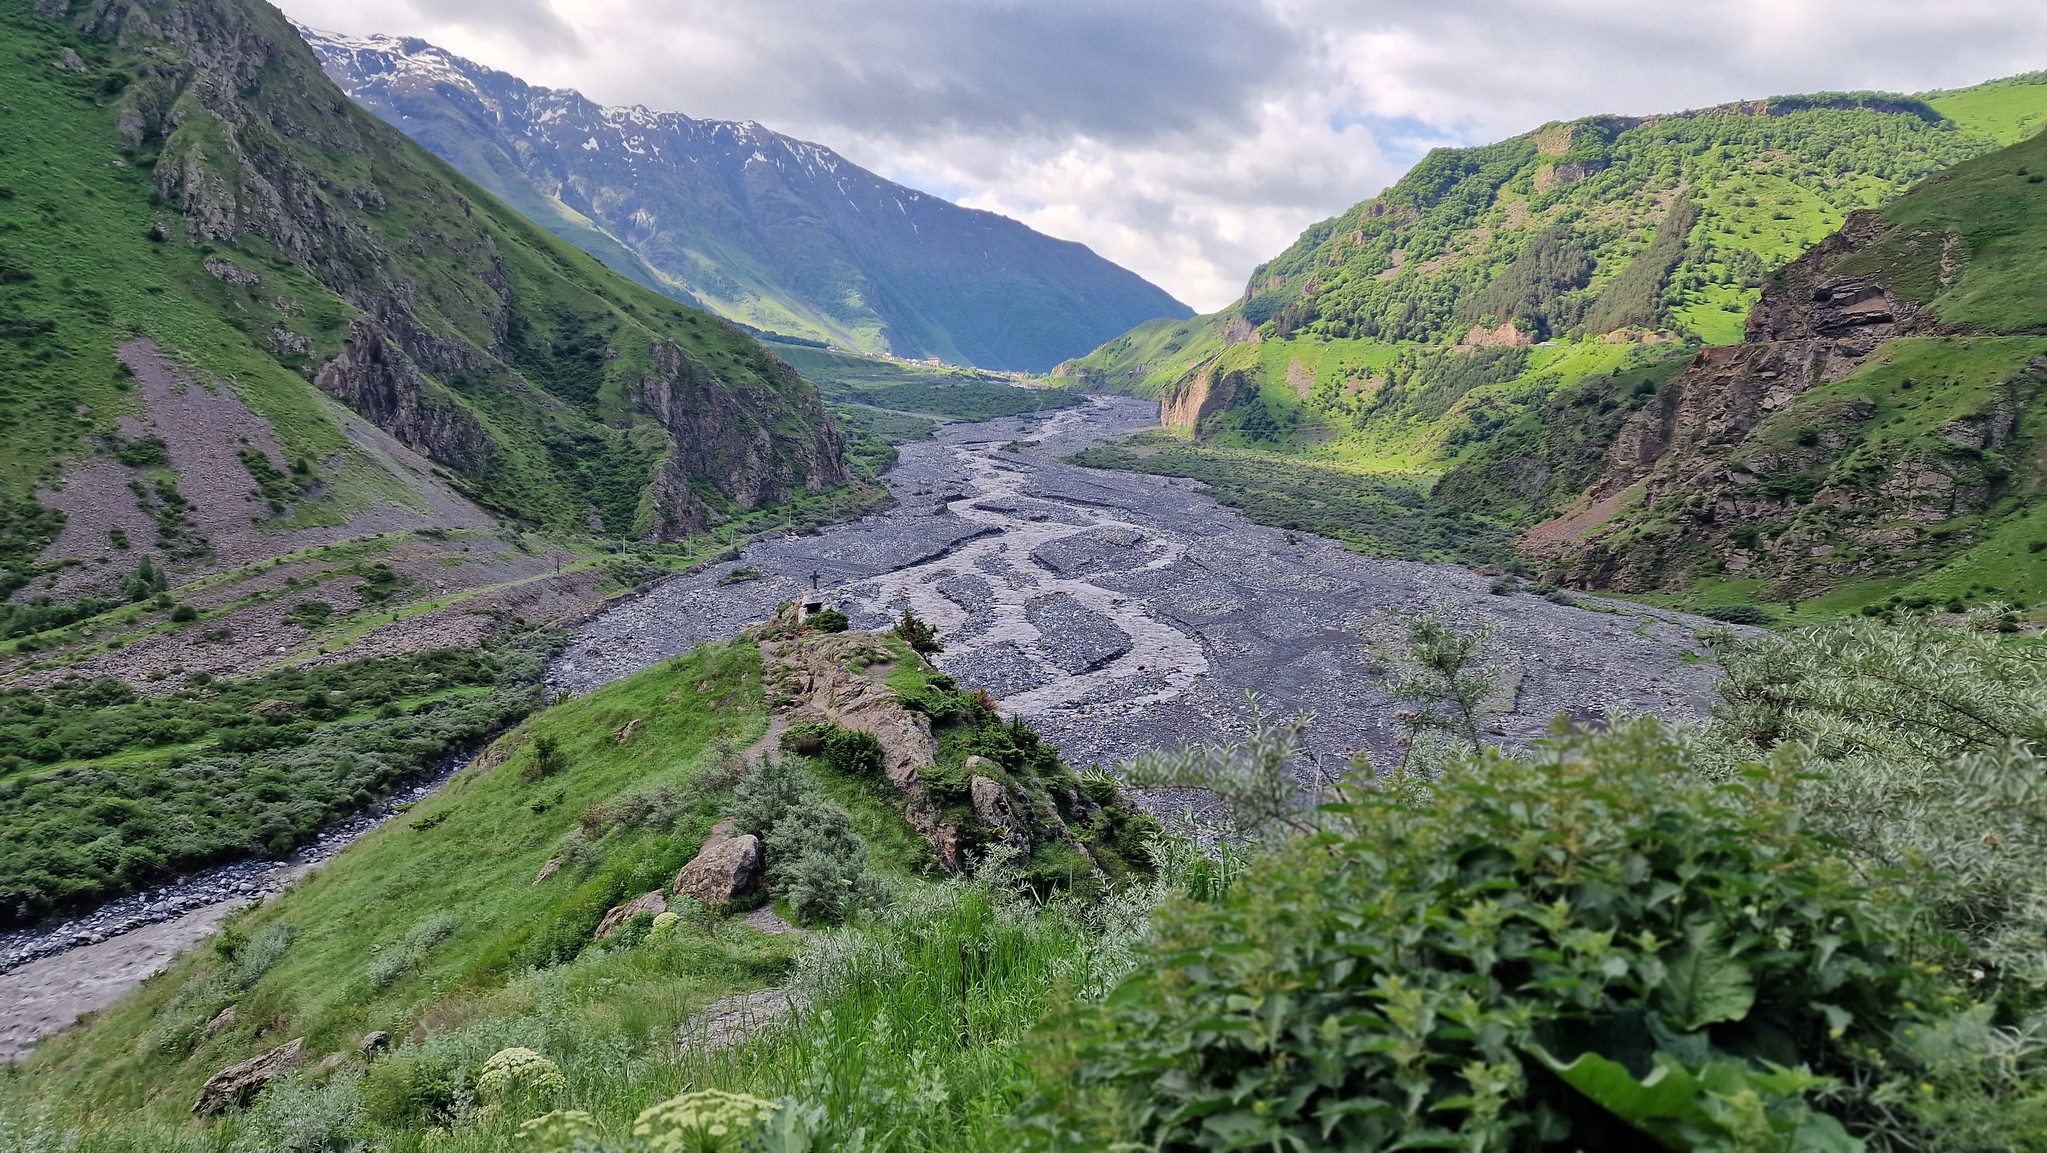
[[1116, 612]]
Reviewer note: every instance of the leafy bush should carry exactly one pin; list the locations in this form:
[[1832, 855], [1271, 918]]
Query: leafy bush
[[1741, 614], [819, 864], [918, 634], [806, 738], [403, 955], [829, 621], [411, 1090], [1439, 973], [548, 758]]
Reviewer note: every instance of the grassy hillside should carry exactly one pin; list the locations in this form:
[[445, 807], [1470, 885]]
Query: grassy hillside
[[435, 929], [1495, 317], [1908, 475], [200, 183]]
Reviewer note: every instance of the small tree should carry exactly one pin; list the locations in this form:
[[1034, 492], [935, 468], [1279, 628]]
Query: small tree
[[548, 758], [918, 634], [1261, 795], [1444, 674]]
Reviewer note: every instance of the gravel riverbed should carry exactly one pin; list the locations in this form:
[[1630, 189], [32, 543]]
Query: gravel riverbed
[[1119, 612]]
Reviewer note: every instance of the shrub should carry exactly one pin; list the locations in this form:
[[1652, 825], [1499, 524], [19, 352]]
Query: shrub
[[403, 955], [293, 1116], [411, 1091], [918, 634], [1743, 614], [766, 795], [806, 738], [819, 864], [548, 758], [1502, 965], [853, 753], [829, 621]]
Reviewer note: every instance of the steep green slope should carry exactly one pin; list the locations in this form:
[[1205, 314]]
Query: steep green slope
[[1880, 428], [1495, 291], [771, 231], [185, 174], [450, 927]]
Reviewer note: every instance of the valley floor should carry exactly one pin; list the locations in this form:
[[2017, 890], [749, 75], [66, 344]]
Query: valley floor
[[1119, 612]]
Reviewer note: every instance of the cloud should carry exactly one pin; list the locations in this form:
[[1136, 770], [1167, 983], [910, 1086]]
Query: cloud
[[1191, 139]]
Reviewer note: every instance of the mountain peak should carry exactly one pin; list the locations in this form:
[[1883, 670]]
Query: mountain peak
[[777, 233]]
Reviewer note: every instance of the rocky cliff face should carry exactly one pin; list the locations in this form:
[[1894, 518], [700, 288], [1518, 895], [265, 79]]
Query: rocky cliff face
[[1206, 393], [762, 228], [496, 351], [1813, 452]]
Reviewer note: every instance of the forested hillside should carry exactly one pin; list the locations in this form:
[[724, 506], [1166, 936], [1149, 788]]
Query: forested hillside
[[771, 231], [1496, 318]]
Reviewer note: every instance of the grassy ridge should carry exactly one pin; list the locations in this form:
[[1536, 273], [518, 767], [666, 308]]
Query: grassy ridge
[[531, 350]]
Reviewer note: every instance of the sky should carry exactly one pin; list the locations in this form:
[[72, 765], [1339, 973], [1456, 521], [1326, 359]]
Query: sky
[[1190, 140]]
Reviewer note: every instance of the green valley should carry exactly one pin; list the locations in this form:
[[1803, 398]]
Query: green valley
[[1486, 328]]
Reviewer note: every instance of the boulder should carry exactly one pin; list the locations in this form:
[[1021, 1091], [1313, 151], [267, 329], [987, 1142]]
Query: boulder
[[653, 904], [727, 868], [992, 808], [375, 1043], [221, 1020], [235, 1085]]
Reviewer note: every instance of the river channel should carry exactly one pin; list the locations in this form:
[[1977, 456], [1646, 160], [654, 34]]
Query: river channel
[[1116, 612]]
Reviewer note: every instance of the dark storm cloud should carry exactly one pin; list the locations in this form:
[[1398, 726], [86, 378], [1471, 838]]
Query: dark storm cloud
[[908, 68]]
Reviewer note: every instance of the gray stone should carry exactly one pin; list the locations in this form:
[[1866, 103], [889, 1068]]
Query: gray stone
[[652, 903], [726, 869], [375, 1043], [237, 1085]]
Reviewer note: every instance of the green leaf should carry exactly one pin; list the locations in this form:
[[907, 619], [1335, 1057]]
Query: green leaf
[[1704, 984], [1676, 1105]]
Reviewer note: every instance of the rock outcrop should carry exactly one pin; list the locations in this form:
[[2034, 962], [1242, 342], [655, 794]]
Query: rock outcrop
[[725, 870], [377, 379], [827, 677], [1202, 395], [730, 437], [653, 904], [1744, 466], [237, 1085]]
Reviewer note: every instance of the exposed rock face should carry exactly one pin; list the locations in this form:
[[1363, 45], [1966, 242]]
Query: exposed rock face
[[731, 438], [992, 806], [1701, 477], [377, 379], [725, 870], [653, 904], [824, 678], [1206, 393], [236, 1085], [221, 1020]]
